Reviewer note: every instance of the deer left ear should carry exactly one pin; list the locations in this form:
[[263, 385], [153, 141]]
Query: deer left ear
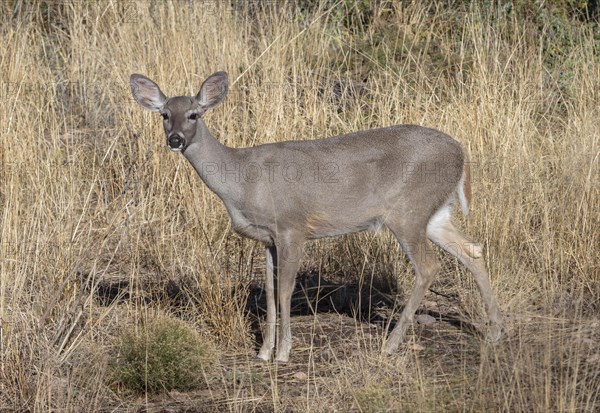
[[213, 91], [147, 93]]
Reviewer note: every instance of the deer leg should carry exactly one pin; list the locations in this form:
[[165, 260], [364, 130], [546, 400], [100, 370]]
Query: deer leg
[[289, 254], [269, 335], [468, 252], [426, 266]]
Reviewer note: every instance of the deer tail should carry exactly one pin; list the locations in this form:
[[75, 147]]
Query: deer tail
[[464, 186]]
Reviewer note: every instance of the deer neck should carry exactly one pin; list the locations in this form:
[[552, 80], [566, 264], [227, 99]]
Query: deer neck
[[212, 160]]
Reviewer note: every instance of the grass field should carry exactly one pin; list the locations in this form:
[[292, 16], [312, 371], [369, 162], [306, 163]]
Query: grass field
[[103, 230]]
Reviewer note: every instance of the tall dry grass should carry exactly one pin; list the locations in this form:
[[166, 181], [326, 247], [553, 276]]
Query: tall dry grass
[[98, 221]]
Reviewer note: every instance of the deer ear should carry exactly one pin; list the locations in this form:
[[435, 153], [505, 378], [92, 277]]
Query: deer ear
[[147, 93], [213, 91]]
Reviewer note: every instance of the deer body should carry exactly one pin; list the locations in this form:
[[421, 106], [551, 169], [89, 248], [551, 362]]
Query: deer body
[[323, 177], [404, 177]]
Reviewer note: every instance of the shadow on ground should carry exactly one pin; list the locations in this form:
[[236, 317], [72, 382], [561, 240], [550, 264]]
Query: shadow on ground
[[364, 302]]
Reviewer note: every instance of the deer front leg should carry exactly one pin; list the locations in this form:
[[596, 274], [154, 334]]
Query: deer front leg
[[288, 259], [266, 350]]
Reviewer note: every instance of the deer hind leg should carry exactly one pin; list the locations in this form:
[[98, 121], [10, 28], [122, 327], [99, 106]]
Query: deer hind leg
[[426, 267], [442, 232]]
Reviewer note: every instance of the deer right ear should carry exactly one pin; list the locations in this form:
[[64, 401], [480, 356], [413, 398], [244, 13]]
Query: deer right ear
[[213, 91], [147, 93]]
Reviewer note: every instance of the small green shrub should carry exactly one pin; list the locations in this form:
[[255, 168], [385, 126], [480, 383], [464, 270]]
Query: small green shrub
[[165, 354]]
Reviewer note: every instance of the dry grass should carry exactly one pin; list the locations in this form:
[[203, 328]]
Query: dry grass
[[99, 224]]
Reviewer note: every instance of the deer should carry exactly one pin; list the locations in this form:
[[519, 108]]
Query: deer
[[405, 178]]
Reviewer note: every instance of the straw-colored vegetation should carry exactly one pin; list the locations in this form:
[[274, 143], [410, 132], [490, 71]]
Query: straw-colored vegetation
[[101, 228]]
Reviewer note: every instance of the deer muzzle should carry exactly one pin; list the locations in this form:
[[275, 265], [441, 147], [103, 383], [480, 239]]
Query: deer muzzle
[[176, 143]]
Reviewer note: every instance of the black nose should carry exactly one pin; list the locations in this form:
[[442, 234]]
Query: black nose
[[175, 142]]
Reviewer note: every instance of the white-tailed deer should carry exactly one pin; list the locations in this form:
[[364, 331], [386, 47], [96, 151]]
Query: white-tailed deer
[[403, 177]]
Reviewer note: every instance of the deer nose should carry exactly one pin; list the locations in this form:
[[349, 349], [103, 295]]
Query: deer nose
[[175, 142]]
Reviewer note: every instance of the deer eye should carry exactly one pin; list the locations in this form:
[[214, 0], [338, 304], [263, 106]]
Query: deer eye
[[165, 116], [193, 116]]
